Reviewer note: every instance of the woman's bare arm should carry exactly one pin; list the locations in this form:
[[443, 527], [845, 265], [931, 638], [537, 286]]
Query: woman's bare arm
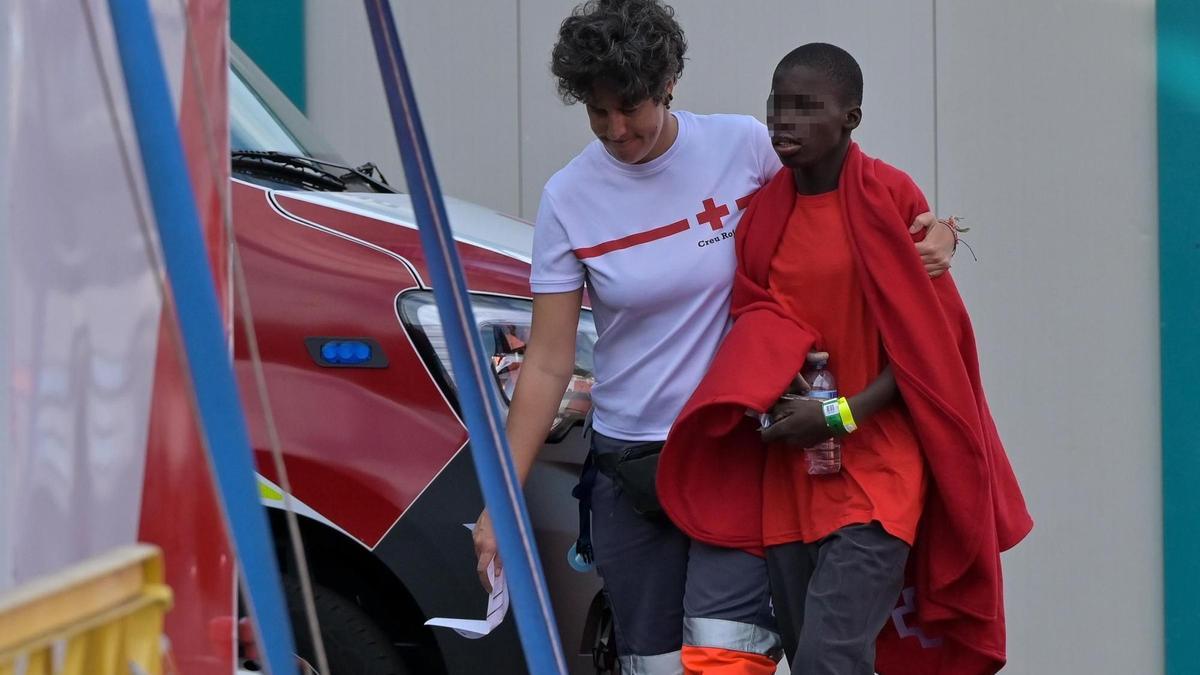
[[546, 371]]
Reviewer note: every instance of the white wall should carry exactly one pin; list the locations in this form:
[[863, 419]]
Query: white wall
[[1046, 141], [497, 137], [463, 60], [1033, 118]]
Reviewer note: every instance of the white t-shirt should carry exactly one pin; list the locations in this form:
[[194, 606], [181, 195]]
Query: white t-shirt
[[655, 243]]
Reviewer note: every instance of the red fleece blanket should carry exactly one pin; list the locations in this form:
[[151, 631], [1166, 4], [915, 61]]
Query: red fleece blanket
[[950, 620]]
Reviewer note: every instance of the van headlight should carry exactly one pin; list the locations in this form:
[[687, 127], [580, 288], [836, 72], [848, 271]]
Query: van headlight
[[503, 323]]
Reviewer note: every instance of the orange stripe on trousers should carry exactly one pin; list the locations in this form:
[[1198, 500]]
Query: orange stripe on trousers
[[714, 661]]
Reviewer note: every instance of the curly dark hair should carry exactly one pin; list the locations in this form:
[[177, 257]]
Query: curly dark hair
[[635, 46]]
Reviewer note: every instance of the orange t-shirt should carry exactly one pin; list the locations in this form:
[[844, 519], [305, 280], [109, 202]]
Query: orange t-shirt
[[882, 479]]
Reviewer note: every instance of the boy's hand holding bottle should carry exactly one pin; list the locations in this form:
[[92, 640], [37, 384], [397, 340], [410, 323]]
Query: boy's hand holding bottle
[[810, 416]]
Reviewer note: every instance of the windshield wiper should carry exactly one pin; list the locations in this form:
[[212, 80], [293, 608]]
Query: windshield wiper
[[290, 168], [307, 171]]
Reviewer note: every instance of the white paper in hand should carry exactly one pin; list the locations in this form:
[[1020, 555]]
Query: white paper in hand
[[497, 608]]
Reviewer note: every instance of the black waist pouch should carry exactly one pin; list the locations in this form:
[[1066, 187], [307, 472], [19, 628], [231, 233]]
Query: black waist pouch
[[634, 470]]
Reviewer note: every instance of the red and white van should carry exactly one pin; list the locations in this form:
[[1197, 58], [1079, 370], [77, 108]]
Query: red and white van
[[363, 398]]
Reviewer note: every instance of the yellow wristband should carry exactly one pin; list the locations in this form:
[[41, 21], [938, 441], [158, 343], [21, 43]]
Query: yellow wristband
[[847, 416]]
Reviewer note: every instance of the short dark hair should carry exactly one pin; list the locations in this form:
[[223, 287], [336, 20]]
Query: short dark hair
[[832, 62], [634, 45]]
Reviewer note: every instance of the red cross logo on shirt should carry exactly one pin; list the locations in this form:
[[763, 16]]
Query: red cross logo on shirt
[[712, 214]]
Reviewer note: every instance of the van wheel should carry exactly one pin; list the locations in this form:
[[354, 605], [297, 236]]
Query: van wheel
[[354, 643]]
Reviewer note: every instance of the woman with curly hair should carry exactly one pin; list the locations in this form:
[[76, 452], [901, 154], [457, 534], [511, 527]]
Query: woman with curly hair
[[645, 215]]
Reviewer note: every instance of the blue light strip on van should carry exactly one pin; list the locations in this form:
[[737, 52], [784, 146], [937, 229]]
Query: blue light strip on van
[[477, 393], [218, 404]]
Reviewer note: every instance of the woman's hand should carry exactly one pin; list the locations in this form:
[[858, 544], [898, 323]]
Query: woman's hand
[[797, 421], [485, 549], [937, 248]]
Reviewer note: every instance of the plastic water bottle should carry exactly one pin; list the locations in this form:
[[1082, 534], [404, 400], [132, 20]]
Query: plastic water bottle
[[825, 457]]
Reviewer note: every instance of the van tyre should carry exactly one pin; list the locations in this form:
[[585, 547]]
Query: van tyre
[[354, 643]]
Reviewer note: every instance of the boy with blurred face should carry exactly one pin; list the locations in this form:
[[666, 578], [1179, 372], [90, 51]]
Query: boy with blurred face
[[836, 545], [825, 262]]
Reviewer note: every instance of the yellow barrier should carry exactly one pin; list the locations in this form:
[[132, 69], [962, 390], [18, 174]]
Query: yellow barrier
[[103, 616]]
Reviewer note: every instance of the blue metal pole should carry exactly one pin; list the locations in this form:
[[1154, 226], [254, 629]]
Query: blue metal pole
[[476, 388], [221, 421]]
